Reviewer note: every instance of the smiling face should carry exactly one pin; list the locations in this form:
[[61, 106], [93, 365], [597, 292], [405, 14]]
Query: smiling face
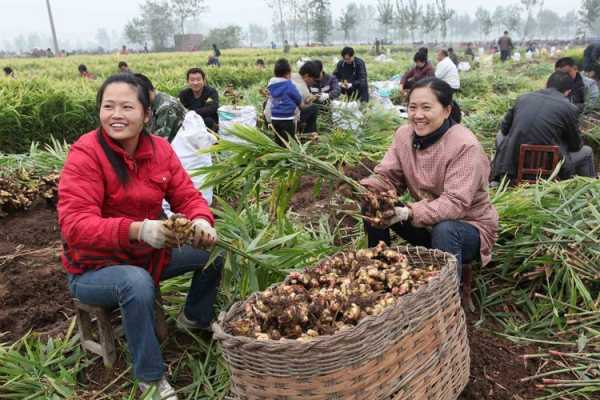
[[425, 112], [196, 82], [122, 115]]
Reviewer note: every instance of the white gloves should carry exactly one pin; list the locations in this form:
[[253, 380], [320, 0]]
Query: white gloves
[[401, 214], [348, 85], [204, 234], [154, 233], [324, 97]]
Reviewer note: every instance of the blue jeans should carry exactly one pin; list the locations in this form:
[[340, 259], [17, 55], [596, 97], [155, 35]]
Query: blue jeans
[[132, 289], [452, 236]]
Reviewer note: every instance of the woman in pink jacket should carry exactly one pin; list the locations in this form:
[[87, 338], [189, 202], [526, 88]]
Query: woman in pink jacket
[[116, 249], [443, 166]]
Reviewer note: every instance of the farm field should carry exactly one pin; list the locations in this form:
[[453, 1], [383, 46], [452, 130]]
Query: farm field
[[534, 332]]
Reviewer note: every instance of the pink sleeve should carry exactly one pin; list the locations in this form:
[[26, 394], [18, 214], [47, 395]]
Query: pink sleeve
[[80, 199], [183, 196], [464, 175], [388, 173]]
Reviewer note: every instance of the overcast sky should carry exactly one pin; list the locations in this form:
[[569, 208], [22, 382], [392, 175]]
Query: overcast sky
[[80, 20]]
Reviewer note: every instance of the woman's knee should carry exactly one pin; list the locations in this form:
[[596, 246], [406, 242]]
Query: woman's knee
[[136, 284]]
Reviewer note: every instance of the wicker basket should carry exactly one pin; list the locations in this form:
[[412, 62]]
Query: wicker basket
[[417, 349]]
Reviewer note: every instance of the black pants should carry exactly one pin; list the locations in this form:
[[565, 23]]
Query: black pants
[[308, 119], [285, 128], [504, 54]]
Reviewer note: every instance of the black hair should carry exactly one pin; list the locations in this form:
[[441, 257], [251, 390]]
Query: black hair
[[8, 70], [443, 92], [282, 68], [195, 70], [444, 52], [260, 61], [423, 50], [82, 68], [123, 64], [347, 51], [560, 81], [420, 56], [319, 65], [506, 32], [564, 62], [450, 50], [143, 96], [145, 81], [310, 68]]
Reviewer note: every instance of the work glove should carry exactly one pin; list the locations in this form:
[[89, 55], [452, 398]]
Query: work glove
[[154, 233], [399, 214], [323, 97], [205, 235]]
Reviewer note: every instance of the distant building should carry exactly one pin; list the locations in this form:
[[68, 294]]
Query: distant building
[[188, 42]]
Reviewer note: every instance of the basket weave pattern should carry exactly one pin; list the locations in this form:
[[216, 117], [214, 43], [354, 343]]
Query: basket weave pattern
[[417, 349]]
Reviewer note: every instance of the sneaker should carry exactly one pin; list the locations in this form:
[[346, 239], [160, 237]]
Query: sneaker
[[185, 322], [162, 390]]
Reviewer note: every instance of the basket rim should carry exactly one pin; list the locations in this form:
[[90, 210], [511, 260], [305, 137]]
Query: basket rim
[[450, 261]]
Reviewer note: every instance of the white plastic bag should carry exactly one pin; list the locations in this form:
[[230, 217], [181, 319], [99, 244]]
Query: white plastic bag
[[464, 66], [192, 137], [230, 115], [516, 57]]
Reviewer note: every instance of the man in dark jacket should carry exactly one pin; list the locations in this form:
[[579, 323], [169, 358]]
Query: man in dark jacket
[[351, 72], [545, 117], [506, 46], [326, 88], [591, 55], [577, 96], [201, 98]]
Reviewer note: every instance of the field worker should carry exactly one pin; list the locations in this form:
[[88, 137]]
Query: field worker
[[446, 70], [506, 46], [167, 111], [123, 67], [307, 75], [282, 109], [591, 93], [445, 169], [591, 55], [421, 69], [260, 64], [201, 98], [351, 72], [452, 56], [326, 88], [469, 53], [545, 117], [83, 72], [213, 59], [8, 72], [577, 96], [115, 248]]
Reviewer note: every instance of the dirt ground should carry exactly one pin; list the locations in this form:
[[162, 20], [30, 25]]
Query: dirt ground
[[34, 296]]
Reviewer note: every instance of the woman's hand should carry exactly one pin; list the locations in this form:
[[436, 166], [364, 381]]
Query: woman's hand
[[154, 233], [205, 235]]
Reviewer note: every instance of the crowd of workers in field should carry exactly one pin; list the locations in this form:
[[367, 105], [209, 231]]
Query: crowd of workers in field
[[116, 177]]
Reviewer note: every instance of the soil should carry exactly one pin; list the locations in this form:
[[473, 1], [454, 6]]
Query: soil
[[34, 296]]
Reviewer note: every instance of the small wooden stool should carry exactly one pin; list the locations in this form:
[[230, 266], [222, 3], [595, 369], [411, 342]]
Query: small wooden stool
[[104, 346], [466, 287]]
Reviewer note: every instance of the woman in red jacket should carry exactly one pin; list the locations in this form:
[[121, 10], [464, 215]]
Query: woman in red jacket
[[116, 249]]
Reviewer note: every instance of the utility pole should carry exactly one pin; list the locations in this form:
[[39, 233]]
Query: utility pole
[[56, 51]]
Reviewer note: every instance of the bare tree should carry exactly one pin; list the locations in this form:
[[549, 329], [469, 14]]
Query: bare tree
[[484, 18], [444, 15], [530, 22], [410, 14], [589, 12], [385, 15], [184, 9], [430, 21], [280, 14]]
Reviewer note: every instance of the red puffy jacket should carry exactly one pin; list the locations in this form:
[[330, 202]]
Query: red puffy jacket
[[95, 210]]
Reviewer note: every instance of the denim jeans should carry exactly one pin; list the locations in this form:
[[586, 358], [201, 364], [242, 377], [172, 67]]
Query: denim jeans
[[132, 289], [452, 236]]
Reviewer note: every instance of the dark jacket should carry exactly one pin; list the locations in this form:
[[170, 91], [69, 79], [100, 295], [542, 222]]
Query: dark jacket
[[505, 43], [416, 74], [285, 98], [356, 74], [328, 84], [542, 117], [591, 54], [577, 96], [207, 105]]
